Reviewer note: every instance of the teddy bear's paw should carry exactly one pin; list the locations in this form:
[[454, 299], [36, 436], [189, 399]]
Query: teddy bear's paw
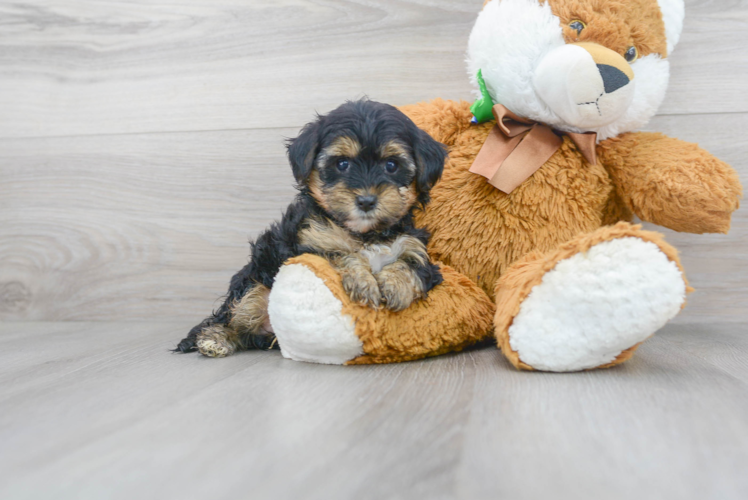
[[308, 319], [594, 308]]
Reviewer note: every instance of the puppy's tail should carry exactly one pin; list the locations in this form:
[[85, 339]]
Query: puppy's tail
[[188, 344]]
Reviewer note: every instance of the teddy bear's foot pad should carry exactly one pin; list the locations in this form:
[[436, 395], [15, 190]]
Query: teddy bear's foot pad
[[595, 305], [308, 319]]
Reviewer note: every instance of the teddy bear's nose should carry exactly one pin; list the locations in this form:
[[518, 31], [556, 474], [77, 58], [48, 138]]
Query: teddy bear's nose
[[613, 78], [585, 84]]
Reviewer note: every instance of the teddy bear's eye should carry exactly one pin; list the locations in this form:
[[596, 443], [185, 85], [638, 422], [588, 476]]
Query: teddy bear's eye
[[577, 26], [632, 54]]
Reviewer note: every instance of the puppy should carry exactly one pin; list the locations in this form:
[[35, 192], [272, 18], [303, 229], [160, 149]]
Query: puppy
[[362, 171]]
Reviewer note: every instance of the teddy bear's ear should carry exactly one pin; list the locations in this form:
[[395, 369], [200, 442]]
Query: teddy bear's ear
[[673, 12], [303, 150], [430, 156]]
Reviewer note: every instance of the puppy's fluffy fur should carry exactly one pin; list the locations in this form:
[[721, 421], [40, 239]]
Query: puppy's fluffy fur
[[362, 171]]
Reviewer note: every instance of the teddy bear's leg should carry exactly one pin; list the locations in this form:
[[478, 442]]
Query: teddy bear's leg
[[315, 320], [589, 303]]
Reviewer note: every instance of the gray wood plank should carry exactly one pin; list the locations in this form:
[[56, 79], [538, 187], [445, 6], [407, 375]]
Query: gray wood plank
[[121, 373], [154, 225], [69, 68], [124, 67], [670, 424], [709, 57], [132, 420], [84, 220]]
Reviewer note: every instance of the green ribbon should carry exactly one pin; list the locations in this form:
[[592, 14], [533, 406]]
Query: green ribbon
[[482, 109]]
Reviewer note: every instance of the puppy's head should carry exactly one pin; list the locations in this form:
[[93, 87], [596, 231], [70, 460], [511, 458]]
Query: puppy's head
[[366, 164]]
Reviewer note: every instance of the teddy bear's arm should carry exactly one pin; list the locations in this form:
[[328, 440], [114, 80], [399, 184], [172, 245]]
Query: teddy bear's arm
[[443, 120], [672, 183]]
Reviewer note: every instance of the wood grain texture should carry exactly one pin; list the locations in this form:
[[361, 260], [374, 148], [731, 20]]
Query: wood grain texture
[[78, 68], [160, 221], [120, 417], [203, 65]]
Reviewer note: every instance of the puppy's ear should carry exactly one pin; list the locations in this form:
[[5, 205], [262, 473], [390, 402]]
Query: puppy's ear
[[303, 150], [430, 156]]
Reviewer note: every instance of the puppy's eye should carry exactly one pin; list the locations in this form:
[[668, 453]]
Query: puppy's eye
[[391, 167], [632, 54], [343, 164], [577, 26]]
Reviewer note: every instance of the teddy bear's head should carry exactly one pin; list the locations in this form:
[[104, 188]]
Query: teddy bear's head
[[577, 65]]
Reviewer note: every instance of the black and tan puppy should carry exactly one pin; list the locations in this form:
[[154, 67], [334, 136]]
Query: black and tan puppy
[[362, 170]]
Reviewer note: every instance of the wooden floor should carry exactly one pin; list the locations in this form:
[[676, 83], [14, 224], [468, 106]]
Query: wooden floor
[[92, 410], [141, 145]]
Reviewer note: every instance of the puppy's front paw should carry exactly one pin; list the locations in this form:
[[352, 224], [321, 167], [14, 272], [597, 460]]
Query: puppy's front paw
[[399, 286], [215, 342], [363, 288]]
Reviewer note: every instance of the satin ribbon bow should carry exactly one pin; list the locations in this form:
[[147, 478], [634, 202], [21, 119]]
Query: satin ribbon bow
[[517, 147]]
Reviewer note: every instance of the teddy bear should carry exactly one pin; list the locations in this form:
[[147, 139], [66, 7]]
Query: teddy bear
[[531, 222]]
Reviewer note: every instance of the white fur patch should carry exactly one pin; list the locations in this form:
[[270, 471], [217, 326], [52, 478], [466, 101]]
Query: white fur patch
[[384, 255], [361, 224], [379, 256], [673, 13], [308, 320], [569, 81], [509, 41], [593, 306]]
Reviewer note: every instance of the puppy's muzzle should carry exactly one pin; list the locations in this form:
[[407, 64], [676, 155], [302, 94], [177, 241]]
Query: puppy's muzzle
[[585, 84], [366, 203]]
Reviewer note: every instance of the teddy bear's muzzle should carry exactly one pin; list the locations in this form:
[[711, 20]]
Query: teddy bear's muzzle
[[585, 84]]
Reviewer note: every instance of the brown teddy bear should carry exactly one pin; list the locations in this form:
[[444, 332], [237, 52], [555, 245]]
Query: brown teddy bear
[[532, 212]]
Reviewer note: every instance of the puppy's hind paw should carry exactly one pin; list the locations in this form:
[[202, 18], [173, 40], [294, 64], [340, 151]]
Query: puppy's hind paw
[[214, 342]]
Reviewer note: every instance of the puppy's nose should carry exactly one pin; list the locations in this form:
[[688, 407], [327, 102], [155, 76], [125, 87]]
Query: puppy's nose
[[366, 203]]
